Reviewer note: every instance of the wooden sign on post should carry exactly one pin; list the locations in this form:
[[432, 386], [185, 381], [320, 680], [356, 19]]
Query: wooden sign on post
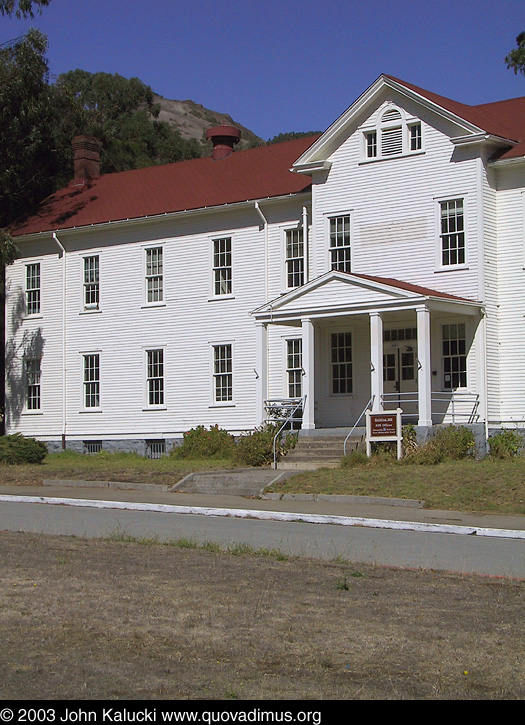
[[384, 425]]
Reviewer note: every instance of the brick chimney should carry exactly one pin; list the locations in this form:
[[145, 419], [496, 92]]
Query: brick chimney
[[223, 139], [86, 158]]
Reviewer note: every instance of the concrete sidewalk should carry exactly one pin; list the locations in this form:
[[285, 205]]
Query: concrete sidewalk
[[355, 507]]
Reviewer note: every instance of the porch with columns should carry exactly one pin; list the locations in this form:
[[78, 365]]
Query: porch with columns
[[382, 302]]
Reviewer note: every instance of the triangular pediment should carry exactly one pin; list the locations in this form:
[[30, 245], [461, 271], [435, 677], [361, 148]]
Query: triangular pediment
[[340, 292], [459, 120]]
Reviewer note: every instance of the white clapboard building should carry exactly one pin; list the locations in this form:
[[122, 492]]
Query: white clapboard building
[[378, 265]]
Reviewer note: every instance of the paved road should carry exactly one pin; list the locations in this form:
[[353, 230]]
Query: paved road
[[394, 536]]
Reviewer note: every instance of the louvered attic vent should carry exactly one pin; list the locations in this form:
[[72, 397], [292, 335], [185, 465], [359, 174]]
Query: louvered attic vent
[[391, 141]]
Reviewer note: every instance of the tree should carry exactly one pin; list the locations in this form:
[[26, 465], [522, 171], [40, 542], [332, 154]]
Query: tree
[[516, 58], [22, 8], [122, 114], [27, 116], [291, 136]]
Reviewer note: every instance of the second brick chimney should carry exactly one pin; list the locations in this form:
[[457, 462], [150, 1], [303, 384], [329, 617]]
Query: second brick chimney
[[86, 158]]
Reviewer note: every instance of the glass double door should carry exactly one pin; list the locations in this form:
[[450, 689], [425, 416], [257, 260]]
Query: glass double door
[[399, 372]]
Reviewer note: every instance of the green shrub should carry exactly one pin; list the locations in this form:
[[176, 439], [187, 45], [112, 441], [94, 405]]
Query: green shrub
[[200, 442], [18, 449], [454, 442], [449, 443], [354, 458], [256, 448], [506, 444]]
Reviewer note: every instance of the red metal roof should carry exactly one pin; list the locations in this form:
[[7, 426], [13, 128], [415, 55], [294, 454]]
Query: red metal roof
[[257, 173], [501, 118], [409, 287]]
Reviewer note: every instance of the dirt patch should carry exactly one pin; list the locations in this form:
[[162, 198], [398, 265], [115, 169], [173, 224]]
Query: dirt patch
[[109, 620]]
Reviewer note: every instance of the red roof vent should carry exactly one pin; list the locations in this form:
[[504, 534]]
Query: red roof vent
[[224, 139], [86, 158]]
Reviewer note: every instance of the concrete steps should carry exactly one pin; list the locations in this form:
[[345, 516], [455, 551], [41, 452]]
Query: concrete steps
[[319, 451]]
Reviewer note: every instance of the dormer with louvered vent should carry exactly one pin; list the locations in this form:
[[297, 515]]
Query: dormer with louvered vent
[[393, 135]]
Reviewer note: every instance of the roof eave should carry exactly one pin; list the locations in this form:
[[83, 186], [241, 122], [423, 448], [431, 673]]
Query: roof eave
[[165, 215]]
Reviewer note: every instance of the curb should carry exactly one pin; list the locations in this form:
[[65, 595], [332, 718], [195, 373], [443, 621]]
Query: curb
[[276, 516]]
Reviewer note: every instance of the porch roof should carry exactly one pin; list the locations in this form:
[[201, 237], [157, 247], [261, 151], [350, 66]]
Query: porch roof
[[338, 293]]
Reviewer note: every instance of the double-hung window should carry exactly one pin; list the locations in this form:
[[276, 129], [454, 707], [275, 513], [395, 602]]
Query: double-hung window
[[371, 144], [340, 251], [454, 356], [222, 266], [416, 139], [92, 381], [91, 283], [294, 258], [32, 372], [33, 289], [222, 373], [452, 234], [341, 363], [294, 367], [155, 377], [154, 275]]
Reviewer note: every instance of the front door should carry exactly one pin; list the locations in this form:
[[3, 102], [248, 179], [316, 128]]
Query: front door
[[400, 370]]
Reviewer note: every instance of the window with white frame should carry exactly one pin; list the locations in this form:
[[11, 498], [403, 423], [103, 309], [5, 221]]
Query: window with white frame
[[415, 137], [222, 373], [294, 258], [341, 363], [393, 135], [294, 367], [92, 381], [91, 282], [222, 266], [155, 377], [154, 275], [33, 289], [452, 236], [340, 251], [371, 144], [454, 356], [33, 374]]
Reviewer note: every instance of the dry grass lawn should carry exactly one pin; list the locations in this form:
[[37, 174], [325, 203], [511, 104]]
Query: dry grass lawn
[[113, 620]]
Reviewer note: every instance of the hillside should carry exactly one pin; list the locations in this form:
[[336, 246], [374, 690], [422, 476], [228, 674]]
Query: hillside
[[193, 120]]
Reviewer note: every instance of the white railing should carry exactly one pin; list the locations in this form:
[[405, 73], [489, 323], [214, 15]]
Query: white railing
[[283, 410], [468, 404], [367, 407]]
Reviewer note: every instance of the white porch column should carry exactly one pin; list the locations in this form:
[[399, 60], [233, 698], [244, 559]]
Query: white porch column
[[261, 371], [376, 359], [308, 331], [424, 371]]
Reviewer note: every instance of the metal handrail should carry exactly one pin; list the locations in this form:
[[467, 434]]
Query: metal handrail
[[370, 402], [300, 404], [446, 396]]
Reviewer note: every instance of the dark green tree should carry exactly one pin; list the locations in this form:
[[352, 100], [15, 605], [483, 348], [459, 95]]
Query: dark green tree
[[516, 58], [121, 113], [27, 157], [291, 136], [22, 8]]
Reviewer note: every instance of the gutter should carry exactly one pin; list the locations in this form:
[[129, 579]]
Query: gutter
[[266, 254], [63, 251]]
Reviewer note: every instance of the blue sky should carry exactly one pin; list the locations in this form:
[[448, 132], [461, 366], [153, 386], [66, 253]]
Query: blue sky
[[288, 65]]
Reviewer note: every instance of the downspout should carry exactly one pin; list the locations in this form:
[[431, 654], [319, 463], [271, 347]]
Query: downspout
[[63, 251], [305, 244], [265, 223]]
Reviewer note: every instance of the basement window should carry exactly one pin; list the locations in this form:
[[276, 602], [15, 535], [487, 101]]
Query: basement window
[[155, 448]]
